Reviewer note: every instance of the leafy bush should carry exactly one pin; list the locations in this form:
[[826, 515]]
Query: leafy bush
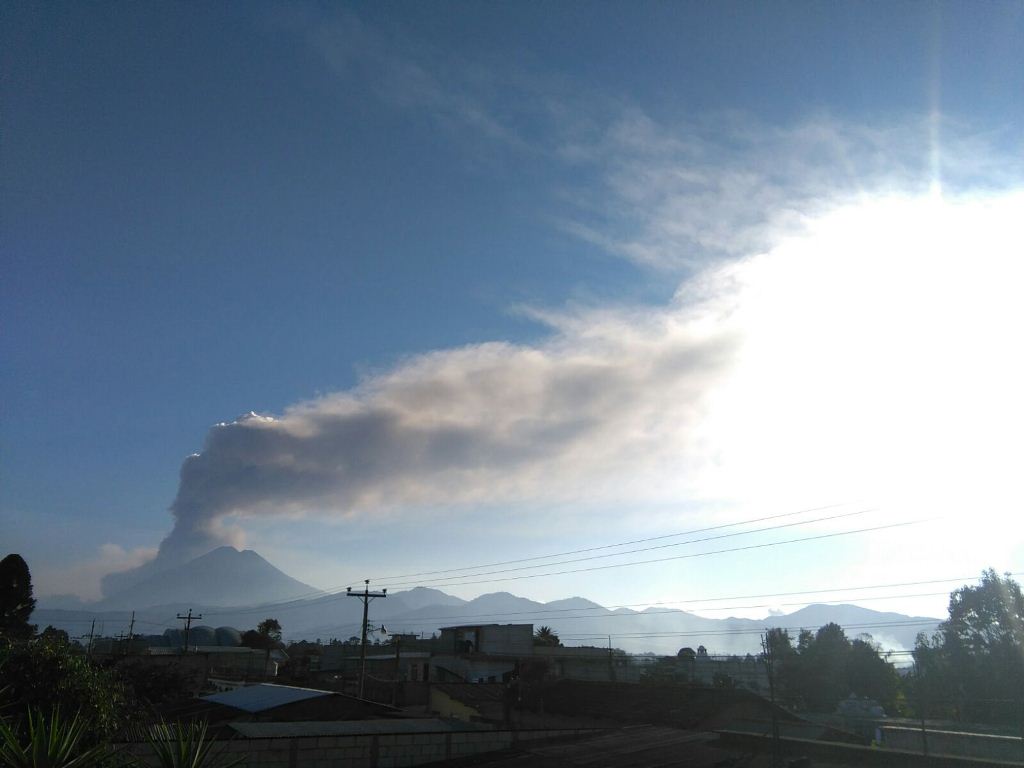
[[47, 676]]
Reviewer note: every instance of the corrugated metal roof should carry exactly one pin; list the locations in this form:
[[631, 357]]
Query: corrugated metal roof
[[264, 696], [351, 728]]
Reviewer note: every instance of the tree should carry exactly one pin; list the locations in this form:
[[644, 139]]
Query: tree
[[45, 676], [53, 635], [266, 636], [270, 629], [688, 657], [868, 674], [973, 667], [148, 686], [16, 601], [825, 666], [546, 637]]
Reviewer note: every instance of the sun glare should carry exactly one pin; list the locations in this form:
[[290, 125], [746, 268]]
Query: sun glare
[[881, 360]]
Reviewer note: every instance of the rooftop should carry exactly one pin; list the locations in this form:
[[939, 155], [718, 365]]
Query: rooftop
[[264, 696]]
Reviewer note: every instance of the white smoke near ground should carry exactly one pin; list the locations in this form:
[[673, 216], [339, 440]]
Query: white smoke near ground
[[83, 578]]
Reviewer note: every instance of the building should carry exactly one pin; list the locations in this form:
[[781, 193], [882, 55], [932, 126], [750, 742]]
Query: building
[[495, 639]]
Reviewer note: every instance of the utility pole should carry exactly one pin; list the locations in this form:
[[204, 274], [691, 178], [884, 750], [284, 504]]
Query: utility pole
[[92, 632], [188, 624], [131, 628], [769, 659], [366, 596]]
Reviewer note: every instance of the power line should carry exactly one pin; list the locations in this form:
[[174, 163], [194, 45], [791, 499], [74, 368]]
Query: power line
[[684, 557], [336, 590], [659, 546], [287, 604], [612, 546]]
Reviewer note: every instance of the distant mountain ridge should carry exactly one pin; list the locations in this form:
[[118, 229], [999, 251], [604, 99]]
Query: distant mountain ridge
[[232, 588], [222, 577]]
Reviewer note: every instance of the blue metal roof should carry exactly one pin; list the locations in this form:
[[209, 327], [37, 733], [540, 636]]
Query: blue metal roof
[[264, 696]]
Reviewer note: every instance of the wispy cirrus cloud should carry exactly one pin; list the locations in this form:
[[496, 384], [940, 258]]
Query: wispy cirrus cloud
[[677, 197]]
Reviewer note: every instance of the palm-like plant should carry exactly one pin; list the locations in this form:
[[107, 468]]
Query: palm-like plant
[[545, 636], [53, 742], [185, 745]]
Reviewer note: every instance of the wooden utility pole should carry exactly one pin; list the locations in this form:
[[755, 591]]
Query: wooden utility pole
[[188, 625], [366, 596], [769, 660], [131, 629], [92, 633]]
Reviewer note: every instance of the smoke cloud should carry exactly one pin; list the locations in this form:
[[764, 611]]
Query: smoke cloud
[[495, 422]]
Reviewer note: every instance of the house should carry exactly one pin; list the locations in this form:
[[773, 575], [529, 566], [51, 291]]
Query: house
[[494, 639], [587, 663]]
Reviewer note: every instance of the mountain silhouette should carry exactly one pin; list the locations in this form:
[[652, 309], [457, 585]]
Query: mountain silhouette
[[222, 577], [241, 588]]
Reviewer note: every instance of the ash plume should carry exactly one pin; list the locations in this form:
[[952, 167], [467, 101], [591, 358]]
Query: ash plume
[[484, 423]]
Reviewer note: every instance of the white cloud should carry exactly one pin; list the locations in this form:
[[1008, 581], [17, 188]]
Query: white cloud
[[675, 197]]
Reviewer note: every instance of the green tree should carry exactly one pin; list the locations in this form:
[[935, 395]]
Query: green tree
[[973, 667], [869, 674], [825, 666], [266, 636], [821, 682], [16, 601], [147, 686], [546, 637], [47, 676], [270, 629], [53, 635]]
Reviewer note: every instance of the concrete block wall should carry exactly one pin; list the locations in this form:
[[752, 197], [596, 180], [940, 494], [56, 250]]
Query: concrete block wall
[[386, 750]]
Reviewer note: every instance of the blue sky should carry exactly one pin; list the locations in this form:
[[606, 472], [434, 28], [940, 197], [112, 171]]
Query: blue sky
[[317, 212]]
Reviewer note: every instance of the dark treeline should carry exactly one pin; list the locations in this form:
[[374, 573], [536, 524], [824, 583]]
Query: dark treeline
[[970, 670], [825, 666]]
